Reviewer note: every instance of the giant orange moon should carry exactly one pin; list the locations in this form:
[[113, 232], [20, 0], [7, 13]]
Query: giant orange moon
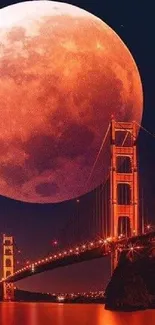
[[63, 73]]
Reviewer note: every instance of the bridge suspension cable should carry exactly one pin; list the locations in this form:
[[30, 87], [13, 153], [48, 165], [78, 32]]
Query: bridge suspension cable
[[101, 147], [144, 129], [23, 258]]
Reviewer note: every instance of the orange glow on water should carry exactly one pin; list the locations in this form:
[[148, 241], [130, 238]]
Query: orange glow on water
[[69, 314]]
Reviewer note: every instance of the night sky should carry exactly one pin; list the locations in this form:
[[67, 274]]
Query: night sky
[[35, 226]]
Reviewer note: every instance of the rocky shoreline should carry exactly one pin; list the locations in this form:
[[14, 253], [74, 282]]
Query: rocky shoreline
[[132, 286]]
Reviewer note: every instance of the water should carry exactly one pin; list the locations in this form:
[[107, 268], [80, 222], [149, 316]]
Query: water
[[68, 314]]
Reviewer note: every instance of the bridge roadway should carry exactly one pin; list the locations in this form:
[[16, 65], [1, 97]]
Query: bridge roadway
[[85, 252]]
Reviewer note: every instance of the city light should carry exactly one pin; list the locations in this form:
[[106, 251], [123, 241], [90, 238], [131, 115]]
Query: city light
[[60, 298]]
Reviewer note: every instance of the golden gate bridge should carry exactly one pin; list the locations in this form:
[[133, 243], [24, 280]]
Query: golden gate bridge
[[115, 223]]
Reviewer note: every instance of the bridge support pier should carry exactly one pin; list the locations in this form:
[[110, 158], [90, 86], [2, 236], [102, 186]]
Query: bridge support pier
[[8, 291], [114, 259], [123, 183], [8, 267]]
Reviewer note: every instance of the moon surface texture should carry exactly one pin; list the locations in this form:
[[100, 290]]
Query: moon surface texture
[[63, 73]]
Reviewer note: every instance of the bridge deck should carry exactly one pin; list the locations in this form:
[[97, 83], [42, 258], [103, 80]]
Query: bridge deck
[[85, 252]]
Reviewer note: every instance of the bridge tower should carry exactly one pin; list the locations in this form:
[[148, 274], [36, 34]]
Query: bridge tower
[[8, 267], [124, 205]]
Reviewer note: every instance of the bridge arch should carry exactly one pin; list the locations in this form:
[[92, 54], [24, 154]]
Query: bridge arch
[[123, 164], [8, 273], [124, 226], [8, 251], [123, 194], [8, 262]]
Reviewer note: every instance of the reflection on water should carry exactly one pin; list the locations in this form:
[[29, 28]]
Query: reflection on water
[[68, 314]]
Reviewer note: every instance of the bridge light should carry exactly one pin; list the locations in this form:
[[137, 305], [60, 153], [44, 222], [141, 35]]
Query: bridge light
[[55, 242], [33, 268], [77, 248], [71, 251], [105, 241], [91, 244], [84, 246]]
